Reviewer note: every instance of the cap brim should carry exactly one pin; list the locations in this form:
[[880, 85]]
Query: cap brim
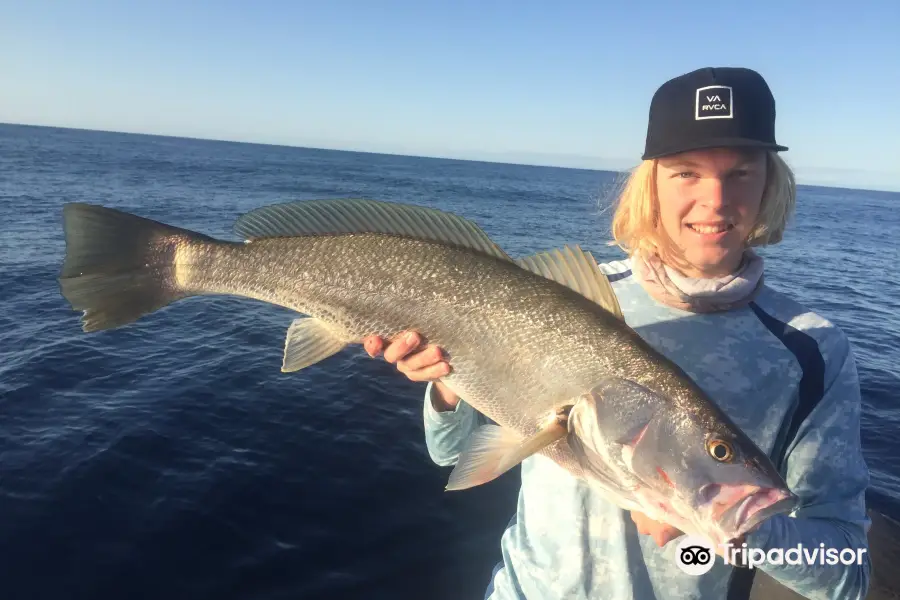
[[706, 144]]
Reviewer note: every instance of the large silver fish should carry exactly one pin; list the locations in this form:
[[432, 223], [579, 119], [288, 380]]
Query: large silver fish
[[538, 344]]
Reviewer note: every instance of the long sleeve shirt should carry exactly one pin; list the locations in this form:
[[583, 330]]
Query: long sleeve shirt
[[787, 377]]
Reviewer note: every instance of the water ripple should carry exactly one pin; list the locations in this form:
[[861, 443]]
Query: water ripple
[[172, 458]]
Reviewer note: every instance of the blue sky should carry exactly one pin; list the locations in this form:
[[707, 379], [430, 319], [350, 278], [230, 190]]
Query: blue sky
[[565, 83]]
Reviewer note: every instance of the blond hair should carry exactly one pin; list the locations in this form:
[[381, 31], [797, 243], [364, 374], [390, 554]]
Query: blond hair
[[635, 223]]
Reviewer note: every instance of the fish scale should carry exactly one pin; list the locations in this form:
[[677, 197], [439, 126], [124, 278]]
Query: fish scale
[[538, 345], [362, 285]]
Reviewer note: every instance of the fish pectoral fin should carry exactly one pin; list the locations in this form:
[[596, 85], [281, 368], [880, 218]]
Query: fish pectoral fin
[[494, 450], [309, 341], [552, 432], [578, 271]]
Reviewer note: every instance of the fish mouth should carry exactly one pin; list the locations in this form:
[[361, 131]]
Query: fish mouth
[[755, 507]]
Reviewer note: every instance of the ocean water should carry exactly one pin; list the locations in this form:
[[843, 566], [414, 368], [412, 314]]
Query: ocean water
[[173, 459]]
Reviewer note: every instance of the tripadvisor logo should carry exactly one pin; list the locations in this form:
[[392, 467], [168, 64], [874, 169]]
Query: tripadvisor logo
[[695, 556], [797, 555]]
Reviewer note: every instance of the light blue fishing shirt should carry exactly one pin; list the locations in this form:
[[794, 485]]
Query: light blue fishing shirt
[[786, 376]]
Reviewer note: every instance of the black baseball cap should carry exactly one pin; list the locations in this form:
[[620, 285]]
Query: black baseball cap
[[711, 107]]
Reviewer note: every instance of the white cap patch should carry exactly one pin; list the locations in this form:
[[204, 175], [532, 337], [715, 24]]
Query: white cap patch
[[714, 102]]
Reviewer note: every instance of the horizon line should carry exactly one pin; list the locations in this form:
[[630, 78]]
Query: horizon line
[[450, 157]]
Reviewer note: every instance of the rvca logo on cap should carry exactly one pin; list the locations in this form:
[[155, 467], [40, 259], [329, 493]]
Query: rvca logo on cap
[[714, 102]]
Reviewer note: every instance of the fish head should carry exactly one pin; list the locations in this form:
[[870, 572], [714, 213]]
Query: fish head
[[709, 473], [687, 465]]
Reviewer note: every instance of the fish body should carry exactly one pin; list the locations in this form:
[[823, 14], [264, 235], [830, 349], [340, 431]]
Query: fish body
[[538, 345]]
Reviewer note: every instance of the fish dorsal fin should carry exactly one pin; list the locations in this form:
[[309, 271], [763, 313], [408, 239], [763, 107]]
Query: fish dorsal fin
[[577, 270], [360, 215]]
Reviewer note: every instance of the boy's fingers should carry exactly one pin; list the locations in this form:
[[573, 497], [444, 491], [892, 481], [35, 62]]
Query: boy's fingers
[[431, 373], [373, 345], [421, 359], [401, 346]]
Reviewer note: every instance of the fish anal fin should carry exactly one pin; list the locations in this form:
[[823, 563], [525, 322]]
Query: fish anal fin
[[493, 450], [577, 270], [308, 342], [360, 215]]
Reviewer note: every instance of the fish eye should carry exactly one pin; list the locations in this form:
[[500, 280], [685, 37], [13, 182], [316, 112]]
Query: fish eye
[[720, 450]]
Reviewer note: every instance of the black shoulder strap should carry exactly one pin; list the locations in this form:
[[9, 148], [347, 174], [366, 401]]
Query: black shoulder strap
[[741, 583], [810, 392]]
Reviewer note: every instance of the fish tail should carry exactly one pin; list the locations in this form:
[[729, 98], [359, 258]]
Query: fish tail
[[118, 266]]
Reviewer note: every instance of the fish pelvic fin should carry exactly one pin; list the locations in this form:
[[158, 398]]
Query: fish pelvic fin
[[360, 215], [578, 271], [118, 266], [493, 450], [308, 342]]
